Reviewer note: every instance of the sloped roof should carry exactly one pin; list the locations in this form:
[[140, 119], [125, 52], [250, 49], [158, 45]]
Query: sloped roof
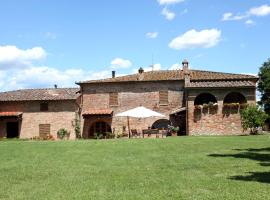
[[40, 94], [164, 75], [98, 112], [10, 114], [221, 84]]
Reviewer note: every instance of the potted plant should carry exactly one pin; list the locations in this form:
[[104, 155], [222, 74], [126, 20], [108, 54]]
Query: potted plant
[[173, 130]]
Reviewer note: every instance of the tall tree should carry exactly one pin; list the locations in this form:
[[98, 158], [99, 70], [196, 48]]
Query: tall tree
[[264, 86]]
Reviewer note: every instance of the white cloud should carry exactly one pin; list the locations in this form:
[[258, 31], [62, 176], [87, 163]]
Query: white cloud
[[169, 15], [118, 63], [152, 35], [167, 2], [44, 77], [196, 39], [12, 57], [230, 17], [176, 66], [260, 11], [249, 22], [28, 75], [155, 67]]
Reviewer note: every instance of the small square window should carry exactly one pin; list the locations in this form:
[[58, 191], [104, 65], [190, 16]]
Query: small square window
[[44, 106]]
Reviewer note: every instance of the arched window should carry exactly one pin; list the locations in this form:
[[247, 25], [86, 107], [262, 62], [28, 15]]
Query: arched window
[[161, 124], [235, 97], [205, 98], [99, 127]]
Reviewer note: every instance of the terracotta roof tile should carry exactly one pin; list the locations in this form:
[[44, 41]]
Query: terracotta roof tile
[[221, 84], [164, 75], [10, 114], [40, 94], [98, 112]]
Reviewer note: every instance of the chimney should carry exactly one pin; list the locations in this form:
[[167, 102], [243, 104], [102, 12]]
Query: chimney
[[186, 72], [113, 74], [185, 65], [140, 70], [55, 86]]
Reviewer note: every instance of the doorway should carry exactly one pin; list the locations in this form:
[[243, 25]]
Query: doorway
[[12, 129]]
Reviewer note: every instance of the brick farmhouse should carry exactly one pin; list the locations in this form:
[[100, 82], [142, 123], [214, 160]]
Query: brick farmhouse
[[199, 102], [37, 112]]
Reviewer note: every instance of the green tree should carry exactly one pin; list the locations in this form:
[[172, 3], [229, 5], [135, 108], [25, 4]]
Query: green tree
[[264, 86], [253, 118]]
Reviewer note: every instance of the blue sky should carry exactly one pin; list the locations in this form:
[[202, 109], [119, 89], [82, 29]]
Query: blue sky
[[59, 42]]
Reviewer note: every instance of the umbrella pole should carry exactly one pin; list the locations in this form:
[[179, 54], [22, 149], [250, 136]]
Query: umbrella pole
[[128, 127]]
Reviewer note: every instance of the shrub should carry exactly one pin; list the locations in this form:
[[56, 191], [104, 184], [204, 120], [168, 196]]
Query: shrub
[[63, 133], [105, 135], [253, 118]]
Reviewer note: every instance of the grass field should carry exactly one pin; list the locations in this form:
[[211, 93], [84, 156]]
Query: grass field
[[172, 168]]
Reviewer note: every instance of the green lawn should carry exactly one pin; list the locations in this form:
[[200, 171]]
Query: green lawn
[[172, 168]]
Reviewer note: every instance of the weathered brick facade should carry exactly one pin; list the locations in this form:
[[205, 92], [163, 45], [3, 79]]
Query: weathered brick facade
[[220, 121], [183, 87], [130, 95], [172, 92], [61, 114]]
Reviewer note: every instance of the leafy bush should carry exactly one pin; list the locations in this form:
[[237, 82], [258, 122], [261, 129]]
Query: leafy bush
[[62, 133], [48, 137], [253, 118], [77, 128], [105, 135]]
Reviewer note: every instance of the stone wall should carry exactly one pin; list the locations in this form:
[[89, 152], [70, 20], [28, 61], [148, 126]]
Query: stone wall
[[61, 114], [130, 95], [219, 121]]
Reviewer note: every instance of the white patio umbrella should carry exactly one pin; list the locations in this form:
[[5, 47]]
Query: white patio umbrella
[[139, 112]]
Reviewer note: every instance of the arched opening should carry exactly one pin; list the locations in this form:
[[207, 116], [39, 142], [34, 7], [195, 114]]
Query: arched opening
[[233, 103], [235, 97], [205, 98], [161, 124], [99, 127]]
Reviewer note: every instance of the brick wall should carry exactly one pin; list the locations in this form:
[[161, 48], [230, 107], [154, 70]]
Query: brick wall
[[131, 95], [207, 122], [61, 114]]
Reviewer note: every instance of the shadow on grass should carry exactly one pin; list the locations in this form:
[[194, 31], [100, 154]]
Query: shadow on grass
[[262, 155], [262, 177]]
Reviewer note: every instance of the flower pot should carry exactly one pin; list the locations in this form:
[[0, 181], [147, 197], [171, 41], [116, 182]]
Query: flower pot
[[174, 134]]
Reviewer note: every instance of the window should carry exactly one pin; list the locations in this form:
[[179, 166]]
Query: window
[[163, 97], [44, 130], [113, 99], [44, 106]]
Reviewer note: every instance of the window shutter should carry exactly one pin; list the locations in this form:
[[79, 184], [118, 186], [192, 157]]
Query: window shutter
[[44, 130], [163, 97], [113, 99]]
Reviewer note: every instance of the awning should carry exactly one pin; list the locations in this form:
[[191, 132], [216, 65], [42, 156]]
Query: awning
[[178, 110], [98, 112], [11, 114]]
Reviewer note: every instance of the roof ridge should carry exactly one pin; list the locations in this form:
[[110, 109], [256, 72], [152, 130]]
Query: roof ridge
[[41, 89], [199, 70]]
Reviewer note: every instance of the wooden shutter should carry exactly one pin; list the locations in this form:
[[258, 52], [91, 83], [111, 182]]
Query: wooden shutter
[[163, 97], [44, 130], [113, 99]]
